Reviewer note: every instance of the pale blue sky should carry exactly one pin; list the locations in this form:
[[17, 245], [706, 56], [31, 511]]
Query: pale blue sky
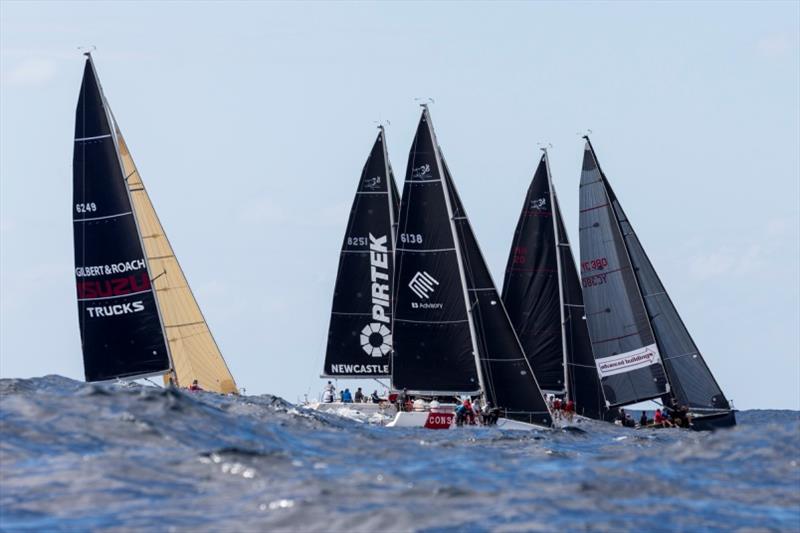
[[250, 123]]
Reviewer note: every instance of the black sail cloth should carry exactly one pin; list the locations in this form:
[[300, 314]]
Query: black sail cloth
[[432, 340], [530, 289], [509, 380], [360, 331], [121, 331], [531, 296], [624, 346], [452, 334], [691, 381]]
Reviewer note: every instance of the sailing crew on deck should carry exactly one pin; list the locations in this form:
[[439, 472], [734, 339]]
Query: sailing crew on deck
[[469, 412], [402, 399], [328, 393], [195, 386], [375, 398], [347, 397], [643, 421], [569, 409], [359, 396]]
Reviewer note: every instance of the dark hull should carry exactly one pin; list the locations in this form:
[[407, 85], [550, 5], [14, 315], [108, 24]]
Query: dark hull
[[714, 421]]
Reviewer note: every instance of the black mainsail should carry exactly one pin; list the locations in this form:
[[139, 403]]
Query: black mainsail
[[542, 295], [133, 323], [434, 350], [360, 336], [121, 329], [691, 381], [452, 334], [624, 346]]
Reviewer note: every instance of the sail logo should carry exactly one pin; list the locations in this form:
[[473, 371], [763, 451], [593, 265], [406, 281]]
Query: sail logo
[[372, 183], [115, 310], [379, 275], [376, 339], [117, 268], [90, 289], [421, 172], [628, 361], [540, 204], [423, 285]]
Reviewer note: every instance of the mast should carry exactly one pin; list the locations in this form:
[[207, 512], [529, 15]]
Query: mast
[[459, 258], [559, 272], [390, 190]]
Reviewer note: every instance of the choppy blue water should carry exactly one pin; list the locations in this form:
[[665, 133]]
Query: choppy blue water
[[85, 457]]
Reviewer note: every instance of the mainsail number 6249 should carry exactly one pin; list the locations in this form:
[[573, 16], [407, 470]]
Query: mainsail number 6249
[[86, 208]]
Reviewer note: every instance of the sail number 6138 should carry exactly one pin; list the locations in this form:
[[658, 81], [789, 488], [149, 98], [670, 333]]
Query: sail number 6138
[[411, 238]]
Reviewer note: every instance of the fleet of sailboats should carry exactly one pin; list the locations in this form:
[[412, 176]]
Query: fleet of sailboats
[[414, 301]]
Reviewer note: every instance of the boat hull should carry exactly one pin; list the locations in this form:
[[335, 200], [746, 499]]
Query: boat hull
[[714, 421], [440, 420]]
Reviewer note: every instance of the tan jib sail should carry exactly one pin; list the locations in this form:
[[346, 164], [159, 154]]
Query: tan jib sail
[[195, 354]]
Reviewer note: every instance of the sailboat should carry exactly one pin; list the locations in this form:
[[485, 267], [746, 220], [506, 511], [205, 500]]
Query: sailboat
[[360, 331], [642, 348], [542, 294], [452, 336], [138, 317]]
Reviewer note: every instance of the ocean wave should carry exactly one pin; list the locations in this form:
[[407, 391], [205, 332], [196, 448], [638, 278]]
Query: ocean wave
[[130, 457]]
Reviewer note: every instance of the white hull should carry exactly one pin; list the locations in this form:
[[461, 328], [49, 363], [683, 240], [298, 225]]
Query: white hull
[[374, 413], [446, 420]]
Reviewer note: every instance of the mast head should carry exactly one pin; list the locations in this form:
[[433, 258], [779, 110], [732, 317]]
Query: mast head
[[424, 101], [382, 125], [87, 50]]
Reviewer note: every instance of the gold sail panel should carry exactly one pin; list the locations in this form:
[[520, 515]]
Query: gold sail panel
[[195, 354]]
